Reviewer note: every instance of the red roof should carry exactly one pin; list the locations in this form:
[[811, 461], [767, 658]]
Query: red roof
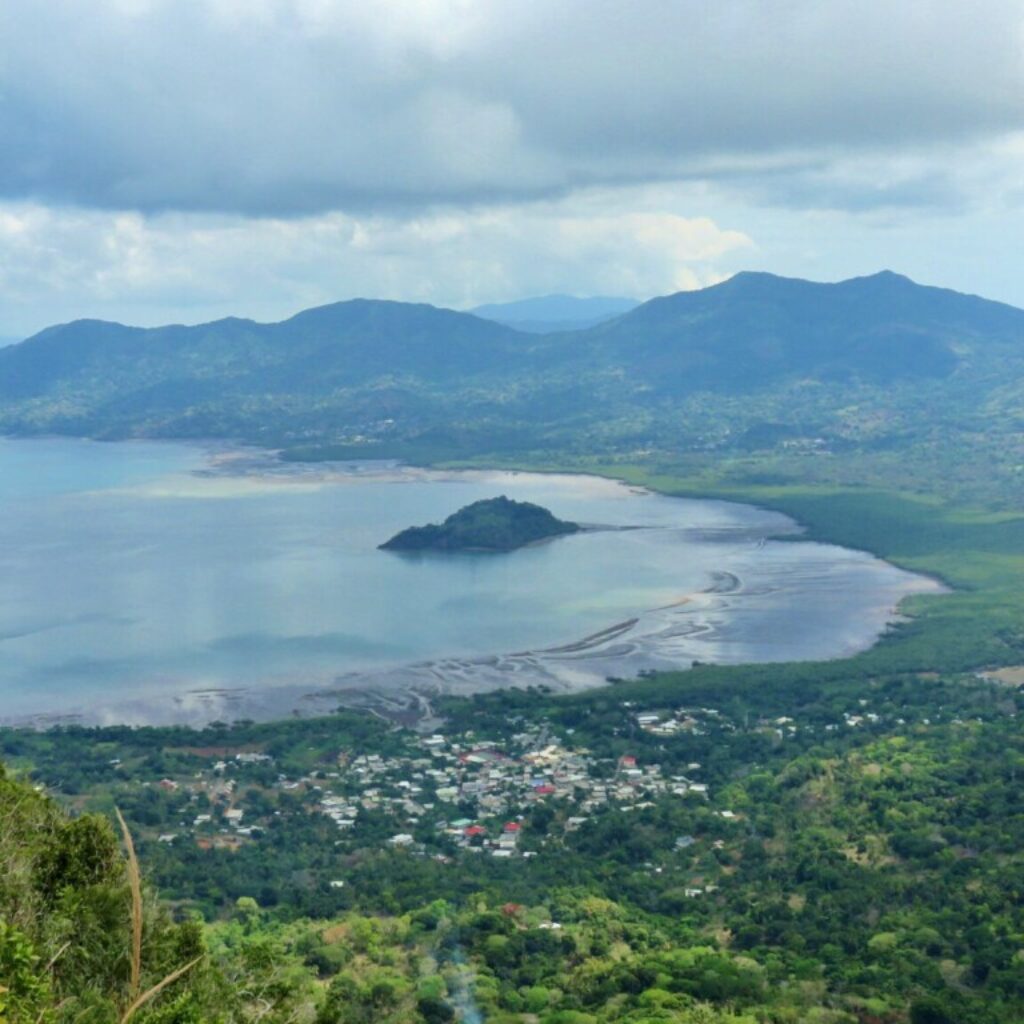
[[475, 830], [627, 761], [513, 826], [543, 790]]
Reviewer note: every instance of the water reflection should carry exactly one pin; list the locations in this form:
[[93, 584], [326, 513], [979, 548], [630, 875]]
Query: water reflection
[[133, 574]]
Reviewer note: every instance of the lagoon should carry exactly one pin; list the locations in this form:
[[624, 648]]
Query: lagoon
[[147, 581]]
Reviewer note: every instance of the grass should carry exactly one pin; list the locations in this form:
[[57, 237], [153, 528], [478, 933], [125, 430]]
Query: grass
[[136, 998]]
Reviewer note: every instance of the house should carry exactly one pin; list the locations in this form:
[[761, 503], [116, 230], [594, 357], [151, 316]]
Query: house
[[474, 830], [402, 839]]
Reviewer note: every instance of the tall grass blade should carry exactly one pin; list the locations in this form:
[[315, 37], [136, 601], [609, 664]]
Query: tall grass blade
[[135, 882], [157, 989]]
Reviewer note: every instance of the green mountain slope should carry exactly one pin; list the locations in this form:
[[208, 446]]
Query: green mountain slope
[[94, 377], [872, 364], [758, 328]]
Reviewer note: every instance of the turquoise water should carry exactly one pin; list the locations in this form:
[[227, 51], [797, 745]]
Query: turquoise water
[[133, 573]]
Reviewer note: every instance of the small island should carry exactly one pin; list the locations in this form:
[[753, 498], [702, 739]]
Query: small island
[[494, 524]]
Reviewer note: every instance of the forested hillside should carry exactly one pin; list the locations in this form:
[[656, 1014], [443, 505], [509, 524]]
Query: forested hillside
[[853, 856], [878, 369]]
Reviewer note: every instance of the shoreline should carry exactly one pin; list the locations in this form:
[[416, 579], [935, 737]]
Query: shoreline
[[404, 694]]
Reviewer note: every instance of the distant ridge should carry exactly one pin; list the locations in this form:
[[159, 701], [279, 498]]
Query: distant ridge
[[370, 377], [550, 313], [756, 327]]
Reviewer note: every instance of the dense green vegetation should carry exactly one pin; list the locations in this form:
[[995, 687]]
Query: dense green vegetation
[[871, 380], [493, 524], [870, 870]]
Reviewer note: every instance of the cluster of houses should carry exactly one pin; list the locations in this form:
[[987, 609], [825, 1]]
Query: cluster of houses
[[438, 794], [680, 720], [478, 795]]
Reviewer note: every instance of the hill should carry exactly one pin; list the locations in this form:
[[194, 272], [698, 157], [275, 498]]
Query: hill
[[358, 357], [871, 365], [494, 524], [756, 328]]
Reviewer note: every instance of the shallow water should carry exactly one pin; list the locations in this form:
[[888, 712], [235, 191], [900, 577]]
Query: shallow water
[[133, 575]]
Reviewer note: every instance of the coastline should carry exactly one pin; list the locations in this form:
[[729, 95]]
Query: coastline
[[405, 694]]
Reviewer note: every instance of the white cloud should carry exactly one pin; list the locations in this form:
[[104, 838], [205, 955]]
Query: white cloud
[[59, 263]]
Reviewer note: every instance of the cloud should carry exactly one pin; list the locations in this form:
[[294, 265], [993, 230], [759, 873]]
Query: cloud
[[297, 107], [60, 263], [167, 160]]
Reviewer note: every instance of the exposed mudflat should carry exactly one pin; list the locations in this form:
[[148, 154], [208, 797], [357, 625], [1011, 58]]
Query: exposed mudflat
[[148, 583]]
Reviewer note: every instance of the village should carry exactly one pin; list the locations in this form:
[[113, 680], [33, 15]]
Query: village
[[510, 794], [442, 793], [655, 788], [496, 788]]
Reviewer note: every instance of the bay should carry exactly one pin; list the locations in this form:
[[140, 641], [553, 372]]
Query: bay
[[146, 581]]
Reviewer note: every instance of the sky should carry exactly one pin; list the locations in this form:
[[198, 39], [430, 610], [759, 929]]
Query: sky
[[182, 160]]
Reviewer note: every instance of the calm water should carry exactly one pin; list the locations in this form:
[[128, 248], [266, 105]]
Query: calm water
[[131, 574]]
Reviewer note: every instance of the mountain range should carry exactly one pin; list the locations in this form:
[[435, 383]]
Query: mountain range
[[756, 361]]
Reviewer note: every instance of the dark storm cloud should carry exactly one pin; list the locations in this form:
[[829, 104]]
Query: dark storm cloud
[[300, 106]]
